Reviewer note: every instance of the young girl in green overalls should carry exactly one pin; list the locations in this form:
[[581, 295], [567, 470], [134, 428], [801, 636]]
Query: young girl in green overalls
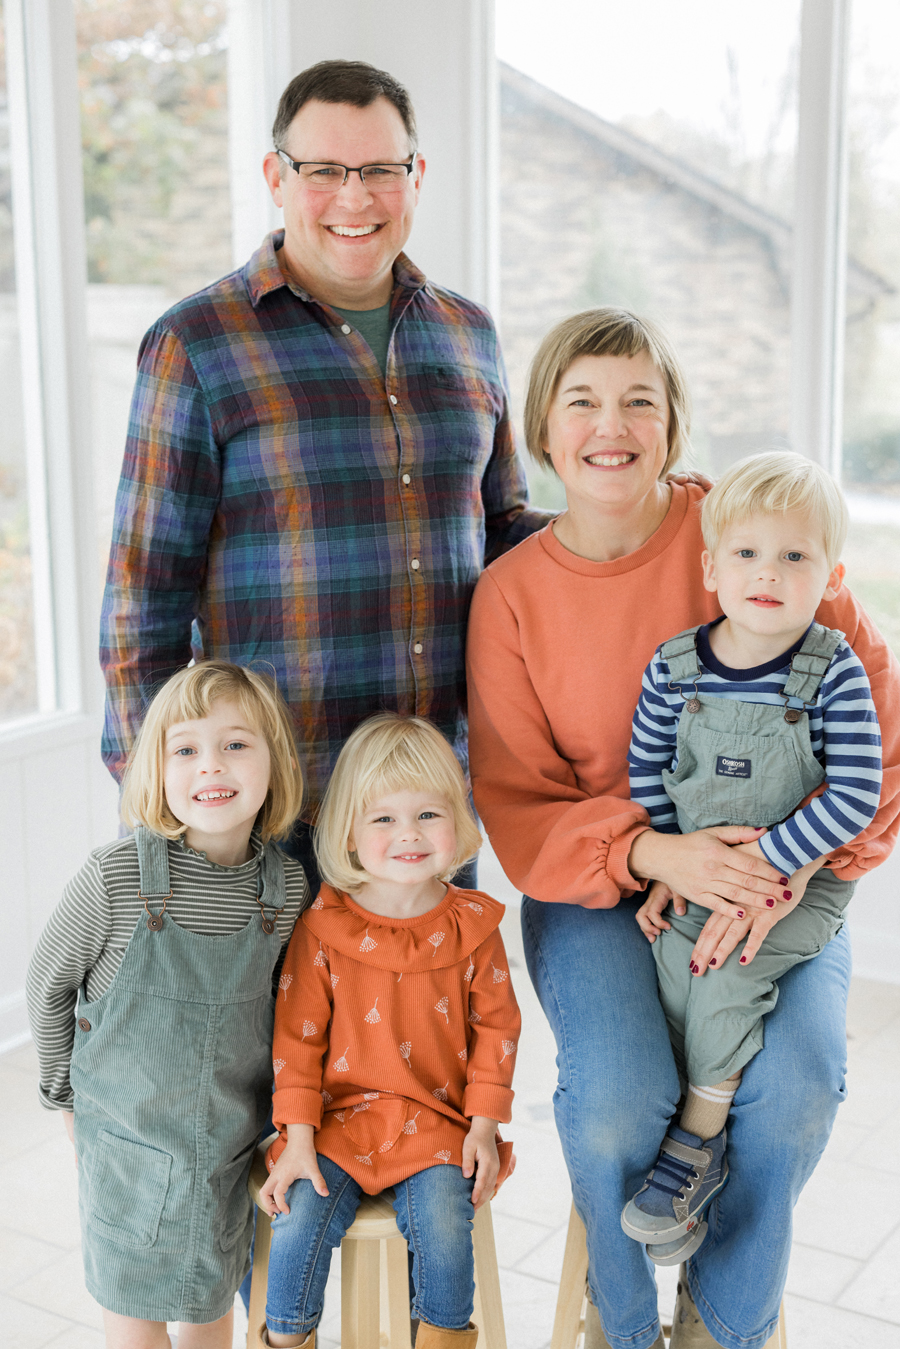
[[739, 721], [169, 942]]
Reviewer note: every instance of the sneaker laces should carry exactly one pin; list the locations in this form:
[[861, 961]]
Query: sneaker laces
[[682, 1173]]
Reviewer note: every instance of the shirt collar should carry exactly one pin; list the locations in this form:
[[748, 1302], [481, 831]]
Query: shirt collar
[[264, 275]]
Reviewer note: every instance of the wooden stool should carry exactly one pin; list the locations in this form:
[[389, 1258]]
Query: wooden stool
[[375, 1274], [575, 1316]]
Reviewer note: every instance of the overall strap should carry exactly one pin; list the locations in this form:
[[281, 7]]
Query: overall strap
[[680, 654], [809, 664], [153, 860], [271, 875]]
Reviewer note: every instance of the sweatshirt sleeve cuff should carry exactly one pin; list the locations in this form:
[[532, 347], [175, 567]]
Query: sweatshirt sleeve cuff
[[617, 859], [297, 1105], [489, 1100]]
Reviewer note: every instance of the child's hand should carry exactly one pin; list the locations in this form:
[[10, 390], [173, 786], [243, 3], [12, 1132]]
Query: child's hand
[[721, 935], [480, 1157], [69, 1122], [297, 1162], [649, 915]]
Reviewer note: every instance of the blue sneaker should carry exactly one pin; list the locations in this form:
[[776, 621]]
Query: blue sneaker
[[687, 1176]]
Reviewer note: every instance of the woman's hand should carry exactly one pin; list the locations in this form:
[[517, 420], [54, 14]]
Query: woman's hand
[[721, 935], [297, 1162], [480, 1157], [708, 868], [649, 915]]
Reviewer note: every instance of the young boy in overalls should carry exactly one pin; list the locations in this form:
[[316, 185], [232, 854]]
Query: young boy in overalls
[[738, 722]]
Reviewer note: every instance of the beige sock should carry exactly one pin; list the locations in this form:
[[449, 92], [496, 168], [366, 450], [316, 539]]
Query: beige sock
[[706, 1108]]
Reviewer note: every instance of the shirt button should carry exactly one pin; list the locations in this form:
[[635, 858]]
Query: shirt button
[[345, 328], [394, 399], [415, 564], [406, 479], [83, 1023], [418, 648]]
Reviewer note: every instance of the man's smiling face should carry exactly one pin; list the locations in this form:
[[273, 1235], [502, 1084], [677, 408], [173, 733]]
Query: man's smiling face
[[341, 246]]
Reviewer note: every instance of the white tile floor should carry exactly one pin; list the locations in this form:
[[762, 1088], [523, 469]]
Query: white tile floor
[[844, 1281]]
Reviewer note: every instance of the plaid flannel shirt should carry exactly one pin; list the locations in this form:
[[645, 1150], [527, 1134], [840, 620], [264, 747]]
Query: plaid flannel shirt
[[282, 505]]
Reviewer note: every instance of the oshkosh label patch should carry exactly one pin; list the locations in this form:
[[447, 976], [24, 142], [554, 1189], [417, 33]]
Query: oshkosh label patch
[[732, 768]]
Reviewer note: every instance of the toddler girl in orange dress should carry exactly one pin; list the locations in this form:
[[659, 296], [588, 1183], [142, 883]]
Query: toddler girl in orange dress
[[395, 1037]]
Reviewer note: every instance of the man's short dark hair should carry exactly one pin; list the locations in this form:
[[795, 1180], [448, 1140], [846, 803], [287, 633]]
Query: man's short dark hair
[[354, 82]]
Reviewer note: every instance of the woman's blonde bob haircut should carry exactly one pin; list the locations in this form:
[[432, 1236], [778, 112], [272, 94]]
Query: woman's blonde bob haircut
[[773, 482], [604, 332], [189, 696], [386, 754]]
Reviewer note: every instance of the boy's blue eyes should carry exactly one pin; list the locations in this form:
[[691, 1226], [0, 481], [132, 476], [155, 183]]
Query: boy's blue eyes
[[792, 556]]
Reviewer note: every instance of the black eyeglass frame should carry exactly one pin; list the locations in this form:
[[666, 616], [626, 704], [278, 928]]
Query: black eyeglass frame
[[297, 165]]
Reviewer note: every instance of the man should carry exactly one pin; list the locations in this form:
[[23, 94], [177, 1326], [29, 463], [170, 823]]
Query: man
[[320, 458]]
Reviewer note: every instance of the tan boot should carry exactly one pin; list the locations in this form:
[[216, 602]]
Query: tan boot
[[593, 1331], [434, 1337], [262, 1340], [688, 1330]]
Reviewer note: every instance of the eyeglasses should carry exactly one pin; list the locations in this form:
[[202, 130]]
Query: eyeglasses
[[332, 177]]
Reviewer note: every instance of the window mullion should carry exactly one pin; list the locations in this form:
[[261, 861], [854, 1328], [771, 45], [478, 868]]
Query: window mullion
[[820, 229]]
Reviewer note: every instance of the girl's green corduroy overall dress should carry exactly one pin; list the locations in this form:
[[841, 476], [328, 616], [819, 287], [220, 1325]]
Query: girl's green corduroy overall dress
[[172, 1075], [750, 764]]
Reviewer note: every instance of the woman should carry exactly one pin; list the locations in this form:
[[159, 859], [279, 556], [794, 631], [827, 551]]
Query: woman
[[560, 632]]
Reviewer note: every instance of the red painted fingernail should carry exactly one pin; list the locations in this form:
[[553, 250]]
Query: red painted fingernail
[[743, 960], [782, 880], [770, 903], [713, 961], [788, 895], [740, 913]]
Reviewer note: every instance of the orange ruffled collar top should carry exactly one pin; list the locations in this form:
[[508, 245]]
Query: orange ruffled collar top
[[390, 1034]]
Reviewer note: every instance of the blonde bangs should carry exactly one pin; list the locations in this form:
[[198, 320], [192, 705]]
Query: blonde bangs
[[388, 753], [189, 696]]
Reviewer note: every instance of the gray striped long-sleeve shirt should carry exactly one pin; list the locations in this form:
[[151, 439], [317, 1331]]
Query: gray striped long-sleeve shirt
[[844, 737], [89, 930]]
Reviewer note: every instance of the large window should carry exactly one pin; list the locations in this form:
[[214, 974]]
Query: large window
[[663, 184], [18, 685], [152, 81]]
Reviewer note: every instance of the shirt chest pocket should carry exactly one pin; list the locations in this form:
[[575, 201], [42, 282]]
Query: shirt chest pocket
[[462, 411]]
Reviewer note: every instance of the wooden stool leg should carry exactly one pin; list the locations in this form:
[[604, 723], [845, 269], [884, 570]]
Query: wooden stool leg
[[395, 1327], [359, 1294], [488, 1314], [567, 1323], [256, 1315], [779, 1339]]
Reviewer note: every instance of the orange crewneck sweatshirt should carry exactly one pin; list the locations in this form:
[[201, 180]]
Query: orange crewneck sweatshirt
[[391, 1033], [556, 650]]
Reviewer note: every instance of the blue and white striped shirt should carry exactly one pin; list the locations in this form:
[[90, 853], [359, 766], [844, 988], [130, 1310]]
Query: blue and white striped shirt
[[844, 736]]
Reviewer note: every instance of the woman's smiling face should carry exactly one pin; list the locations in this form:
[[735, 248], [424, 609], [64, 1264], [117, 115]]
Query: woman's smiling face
[[607, 429]]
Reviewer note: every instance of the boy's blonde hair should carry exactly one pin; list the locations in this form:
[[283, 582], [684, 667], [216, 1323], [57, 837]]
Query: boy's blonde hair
[[188, 696], [777, 481], [385, 754], [604, 332]]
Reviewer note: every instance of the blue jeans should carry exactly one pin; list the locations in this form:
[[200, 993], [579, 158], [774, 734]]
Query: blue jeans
[[594, 974], [434, 1213]]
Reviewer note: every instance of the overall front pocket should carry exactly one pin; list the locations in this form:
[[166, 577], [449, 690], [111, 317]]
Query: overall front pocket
[[129, 1183]]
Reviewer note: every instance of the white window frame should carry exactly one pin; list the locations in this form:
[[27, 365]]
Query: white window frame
[[50, 259]]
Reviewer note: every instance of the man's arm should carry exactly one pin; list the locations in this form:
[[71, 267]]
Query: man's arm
[[504, 488], [167, 498]]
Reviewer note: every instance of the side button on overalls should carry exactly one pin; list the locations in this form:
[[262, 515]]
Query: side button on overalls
[[749, 764], [172, 1075]]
